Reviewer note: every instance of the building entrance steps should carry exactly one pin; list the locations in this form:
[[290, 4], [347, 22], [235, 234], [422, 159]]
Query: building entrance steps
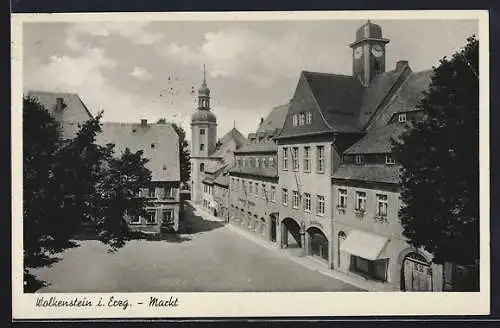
[[313, 263]]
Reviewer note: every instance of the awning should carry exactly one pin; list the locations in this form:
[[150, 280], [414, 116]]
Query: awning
[[364, 244]]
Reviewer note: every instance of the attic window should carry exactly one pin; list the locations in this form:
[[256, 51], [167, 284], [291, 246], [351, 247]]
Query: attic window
[[359, 159], [152, 145], [402, 118], [389, 159]]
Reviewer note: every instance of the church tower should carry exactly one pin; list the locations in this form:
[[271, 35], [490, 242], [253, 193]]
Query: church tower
[[368, 52], [203, 139]]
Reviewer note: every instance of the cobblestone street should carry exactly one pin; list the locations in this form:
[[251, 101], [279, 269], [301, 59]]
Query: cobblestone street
[[207, 258]]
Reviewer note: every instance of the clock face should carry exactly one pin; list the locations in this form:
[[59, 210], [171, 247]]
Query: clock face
[[358, 52], [377, 50]]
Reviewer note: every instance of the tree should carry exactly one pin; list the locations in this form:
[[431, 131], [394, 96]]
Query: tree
[[185, 158], [440, 163], [71, 182]]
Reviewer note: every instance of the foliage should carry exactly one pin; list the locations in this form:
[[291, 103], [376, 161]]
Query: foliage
[[185, 158], [71, 182], [440, 163]]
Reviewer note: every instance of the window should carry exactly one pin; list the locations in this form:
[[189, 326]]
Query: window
[[389, 159], [360, 159], [202, 167], [320, 210], [402, 118], [307, 202], [382, 205], [295, 120], [256, 190], [202, 132], [151, 192], [168, 217], [273, 194], [320, 153], [168, 192], [302, 118], [295, 158], [263, 191], [135, 219], [307, 159], [360, 201], [309, 118], [285, 158], [295, 199], [250, 188], [342, 198], [284, 196], [150, 217], [202, 147]]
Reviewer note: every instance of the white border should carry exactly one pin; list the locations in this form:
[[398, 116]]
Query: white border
[[255, 304]]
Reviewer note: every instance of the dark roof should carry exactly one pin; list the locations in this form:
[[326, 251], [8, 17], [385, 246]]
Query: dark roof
[[214, 167], [222, 180], [274, 120], [159, 142], [369, 173], [74, 111], [255, 171], [259, 147], [232, 135], [203, 115], [338, 98], [377, 140]]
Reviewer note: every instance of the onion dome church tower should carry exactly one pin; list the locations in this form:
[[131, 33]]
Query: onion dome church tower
[[203, 139], [368, 52]]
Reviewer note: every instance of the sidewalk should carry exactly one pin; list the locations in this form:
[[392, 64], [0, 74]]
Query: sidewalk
[[307, 262]]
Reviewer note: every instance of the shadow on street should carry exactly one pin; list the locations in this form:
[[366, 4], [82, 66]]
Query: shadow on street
[[194, 224]]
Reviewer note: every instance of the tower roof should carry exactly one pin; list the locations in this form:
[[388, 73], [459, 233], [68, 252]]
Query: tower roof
[[204, 90], [369, 31], [203, 116]]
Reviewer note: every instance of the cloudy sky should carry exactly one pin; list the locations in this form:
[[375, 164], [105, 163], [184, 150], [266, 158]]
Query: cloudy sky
[[135, 70]]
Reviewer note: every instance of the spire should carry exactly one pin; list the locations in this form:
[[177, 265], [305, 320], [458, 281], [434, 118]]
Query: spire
[[204, 93], [204, 76]]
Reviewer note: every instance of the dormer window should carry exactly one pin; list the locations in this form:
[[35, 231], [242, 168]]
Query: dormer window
[[309, 118], [302, 118], [389, 159], [402, 118], [359, 159]]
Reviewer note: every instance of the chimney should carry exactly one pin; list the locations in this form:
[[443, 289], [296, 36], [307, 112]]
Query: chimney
[[261, 120], [144, 121], [401, 64], [59, 103]]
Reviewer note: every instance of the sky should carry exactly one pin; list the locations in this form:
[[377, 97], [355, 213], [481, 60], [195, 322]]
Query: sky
[[137, 69]]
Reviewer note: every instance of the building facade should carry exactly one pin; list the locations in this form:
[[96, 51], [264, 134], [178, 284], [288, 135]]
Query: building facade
[[159, 143], [336, 185], [253, 187]]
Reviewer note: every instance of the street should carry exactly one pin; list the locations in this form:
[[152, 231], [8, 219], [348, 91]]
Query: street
[[207, 258]]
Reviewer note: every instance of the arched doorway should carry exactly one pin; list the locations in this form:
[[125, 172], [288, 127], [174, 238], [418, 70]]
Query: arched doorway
[[273, 228], [416, 273], [291, 233], [318, 243], [340, 239]]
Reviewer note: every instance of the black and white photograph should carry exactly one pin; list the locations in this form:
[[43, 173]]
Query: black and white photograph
[[166, 156]]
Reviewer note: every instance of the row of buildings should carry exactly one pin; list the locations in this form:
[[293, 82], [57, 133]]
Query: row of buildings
[[317, 176], [159, 143]]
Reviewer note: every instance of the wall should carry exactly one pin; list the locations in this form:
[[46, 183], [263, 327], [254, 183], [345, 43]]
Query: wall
[[396, 249]]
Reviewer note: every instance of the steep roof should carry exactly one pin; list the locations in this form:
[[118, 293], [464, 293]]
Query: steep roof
[[214, 167], [377, 140], [369, 173], [274, 120], [405, 99], [259, 147], [233, 134], [74, 109], [338, 98], [159, 142], [222, 179]]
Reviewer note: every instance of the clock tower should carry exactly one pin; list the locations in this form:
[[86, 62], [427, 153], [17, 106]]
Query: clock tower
[[368, 52]]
